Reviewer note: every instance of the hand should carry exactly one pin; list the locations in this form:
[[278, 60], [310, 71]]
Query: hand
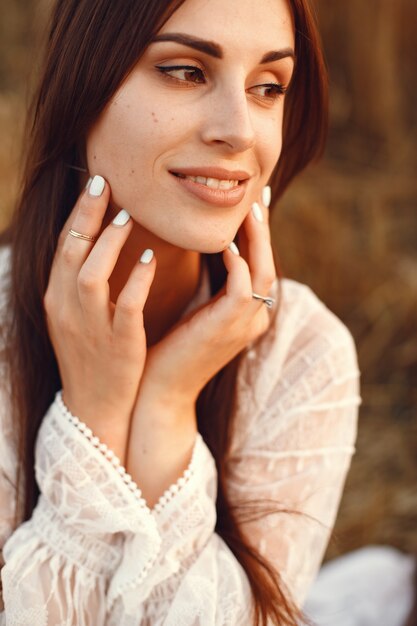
[[177, 367], [180, 365], [100, 346]]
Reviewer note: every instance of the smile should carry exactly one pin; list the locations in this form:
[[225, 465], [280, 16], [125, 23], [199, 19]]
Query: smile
[[222, 192], [213, 183]]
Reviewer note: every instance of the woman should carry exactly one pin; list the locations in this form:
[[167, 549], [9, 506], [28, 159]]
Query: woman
[[194, 417]]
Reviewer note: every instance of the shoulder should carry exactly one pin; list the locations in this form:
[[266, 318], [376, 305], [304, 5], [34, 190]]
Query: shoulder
[[5, 267], [306, 353], [5, 259], [307, 321], [7, 437], [302, 327], [5, 278]]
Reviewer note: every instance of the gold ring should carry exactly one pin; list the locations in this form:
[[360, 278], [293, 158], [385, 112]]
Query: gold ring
[[81, 236]]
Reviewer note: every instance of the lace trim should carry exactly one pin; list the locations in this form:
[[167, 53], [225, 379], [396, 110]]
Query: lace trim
[[102, 447], [183, 480], [108, 454]]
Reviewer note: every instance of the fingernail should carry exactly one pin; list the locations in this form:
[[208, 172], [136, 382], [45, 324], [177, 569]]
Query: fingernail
[[233, 247], [147, 256], [257, 212], [121, 218], [88, 182], [97, 186], [266, 195]]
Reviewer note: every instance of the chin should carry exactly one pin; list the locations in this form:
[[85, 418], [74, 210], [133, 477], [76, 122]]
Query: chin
[[204, 241], [210, 247]]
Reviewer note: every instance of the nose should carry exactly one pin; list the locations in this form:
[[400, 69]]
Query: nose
[[228, 121]]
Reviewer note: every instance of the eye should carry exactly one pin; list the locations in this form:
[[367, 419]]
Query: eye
[[270, 91], [182, 73]]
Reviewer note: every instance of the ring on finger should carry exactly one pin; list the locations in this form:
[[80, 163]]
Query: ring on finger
[[267, 300], [74, 233]]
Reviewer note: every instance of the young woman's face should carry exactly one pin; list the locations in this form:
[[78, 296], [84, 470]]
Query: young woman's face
[[205, 100]]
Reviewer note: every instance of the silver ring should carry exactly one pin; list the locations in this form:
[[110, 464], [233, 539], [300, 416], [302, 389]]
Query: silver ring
[[268, 301], [80, 235]]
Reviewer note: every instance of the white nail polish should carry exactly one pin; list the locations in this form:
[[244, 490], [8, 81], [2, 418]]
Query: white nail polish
[[233, 247], [121, 218], [147, 256], [88, 182], [266, 195], [96, 186], [257, 212]]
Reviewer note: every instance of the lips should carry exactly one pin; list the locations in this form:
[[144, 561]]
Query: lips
[[214, 185], [212, 172]]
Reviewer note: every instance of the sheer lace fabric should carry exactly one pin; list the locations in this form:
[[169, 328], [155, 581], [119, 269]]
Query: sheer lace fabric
[[93, 553]]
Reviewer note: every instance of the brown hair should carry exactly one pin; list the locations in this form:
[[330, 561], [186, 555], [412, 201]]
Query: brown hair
[[92, 47]]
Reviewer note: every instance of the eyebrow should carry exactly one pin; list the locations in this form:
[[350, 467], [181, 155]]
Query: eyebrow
[[216, 51]]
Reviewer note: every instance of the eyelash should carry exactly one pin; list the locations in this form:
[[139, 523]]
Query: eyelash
[[279, 88]]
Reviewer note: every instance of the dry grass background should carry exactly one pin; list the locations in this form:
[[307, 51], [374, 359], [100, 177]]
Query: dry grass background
[[347, 228]]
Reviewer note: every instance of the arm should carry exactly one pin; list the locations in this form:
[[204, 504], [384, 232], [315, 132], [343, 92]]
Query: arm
[[299, 452], [173, 566], [59, 563], [194, 580]]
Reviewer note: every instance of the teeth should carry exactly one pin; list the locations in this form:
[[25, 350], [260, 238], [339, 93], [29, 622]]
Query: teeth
[[227, 184], [213, 183]]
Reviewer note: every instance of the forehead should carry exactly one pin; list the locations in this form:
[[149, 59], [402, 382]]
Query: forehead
[[245, 27]]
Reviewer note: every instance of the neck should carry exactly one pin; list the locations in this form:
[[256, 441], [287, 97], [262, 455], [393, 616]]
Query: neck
[[175, 283]]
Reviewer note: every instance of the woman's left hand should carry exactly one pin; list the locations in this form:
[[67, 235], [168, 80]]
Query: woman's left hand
[[177, 368]]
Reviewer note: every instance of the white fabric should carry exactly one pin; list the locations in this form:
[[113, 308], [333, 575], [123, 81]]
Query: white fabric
[[93, 554], [372, 586]]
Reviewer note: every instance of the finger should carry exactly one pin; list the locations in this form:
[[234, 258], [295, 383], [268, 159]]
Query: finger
[[128, 313], [238, 282], [92, 280], [86, 218], [260, 253]]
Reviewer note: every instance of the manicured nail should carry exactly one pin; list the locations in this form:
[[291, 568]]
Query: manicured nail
[[233, 247], [147, 256], [266, 195], [88, 182], [121, 218], [97, 186], [257, 212]]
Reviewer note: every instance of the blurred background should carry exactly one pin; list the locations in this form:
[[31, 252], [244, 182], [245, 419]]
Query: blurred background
[[347, 228]]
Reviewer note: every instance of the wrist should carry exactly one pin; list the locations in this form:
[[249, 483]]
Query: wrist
[[160, 447], [109, 431]]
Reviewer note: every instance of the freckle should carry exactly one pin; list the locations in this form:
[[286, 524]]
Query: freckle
[[95, 156], [132, 171]]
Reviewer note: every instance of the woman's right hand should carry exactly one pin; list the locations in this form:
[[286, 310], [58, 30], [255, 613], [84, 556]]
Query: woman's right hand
[[100, 346]]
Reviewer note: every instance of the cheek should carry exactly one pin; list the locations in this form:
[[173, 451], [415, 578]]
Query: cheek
[[269, 146], [122, 140]]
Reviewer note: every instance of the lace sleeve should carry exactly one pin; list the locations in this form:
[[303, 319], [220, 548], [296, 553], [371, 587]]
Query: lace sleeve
[[59, 563], [296, 455], [193, 578]]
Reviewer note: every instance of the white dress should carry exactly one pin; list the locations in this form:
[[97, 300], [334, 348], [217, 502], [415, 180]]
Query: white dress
[[94, 554]]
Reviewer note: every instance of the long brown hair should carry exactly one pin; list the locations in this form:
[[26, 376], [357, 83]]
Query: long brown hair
[[92, 47]]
